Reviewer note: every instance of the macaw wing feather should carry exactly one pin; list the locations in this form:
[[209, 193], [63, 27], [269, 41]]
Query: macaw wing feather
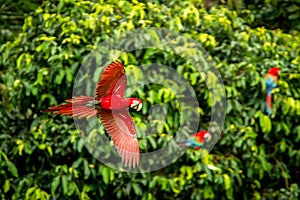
[[113, 80], [192, 142], [121, 129], [197, 141], [271, 82]]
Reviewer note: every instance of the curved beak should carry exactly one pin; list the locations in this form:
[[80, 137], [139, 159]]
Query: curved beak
[[139, 107]]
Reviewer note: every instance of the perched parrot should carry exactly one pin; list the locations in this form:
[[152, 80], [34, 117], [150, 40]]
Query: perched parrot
[[110, 105], [271, 79], [197, 140]]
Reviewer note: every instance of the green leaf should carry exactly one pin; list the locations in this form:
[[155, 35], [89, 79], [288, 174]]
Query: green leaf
[[12, 168], [50, 150], [189, 172], [160, 126], [42, 146], [163, 182], [64, 184], [29, 192], [212, 167], [111, 175], [105, 175], [137, 189], [293, 8], [227, 182], [176, 185], [286, 175], [153, 182], [153, 142], [294, 16], [19, 61], [72, 187], [59, 77], [87, 170], [77, 162], [265, 123], [208, 192], [268, 124], [60, 6], [6, 186], [69, 74], [54, 185]]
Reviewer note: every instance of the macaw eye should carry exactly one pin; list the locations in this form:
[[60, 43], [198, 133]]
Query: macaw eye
[[136, 107]]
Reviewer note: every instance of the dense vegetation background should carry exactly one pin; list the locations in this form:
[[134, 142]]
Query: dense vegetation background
[[42, 157]]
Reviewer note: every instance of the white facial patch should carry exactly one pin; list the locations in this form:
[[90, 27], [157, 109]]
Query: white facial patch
[[207, 137], [136, 105], [135, 102]]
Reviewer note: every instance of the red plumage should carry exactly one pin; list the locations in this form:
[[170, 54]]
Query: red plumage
[[197, 140], [271, 79], [110, 105], [76, 107], [268, 101], [274, 71]]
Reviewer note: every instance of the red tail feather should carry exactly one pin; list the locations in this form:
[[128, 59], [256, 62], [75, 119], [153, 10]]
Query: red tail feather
[[269, 100], [268, 104], [81, 106]]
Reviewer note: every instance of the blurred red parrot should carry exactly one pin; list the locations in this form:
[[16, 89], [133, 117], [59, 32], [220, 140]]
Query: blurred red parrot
[[271, 79], [197, 140], [110, 105]]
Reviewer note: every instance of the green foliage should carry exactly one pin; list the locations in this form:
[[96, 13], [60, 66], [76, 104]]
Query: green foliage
[[283, 14], [12, 15], [42, 157], [276, 14]]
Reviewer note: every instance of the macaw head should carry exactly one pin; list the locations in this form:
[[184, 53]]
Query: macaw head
[[204, 136], [135, 104], [274, 71]]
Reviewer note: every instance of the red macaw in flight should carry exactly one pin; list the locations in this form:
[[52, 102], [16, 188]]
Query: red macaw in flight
[[197, 140], [110, 105], [271, 79]]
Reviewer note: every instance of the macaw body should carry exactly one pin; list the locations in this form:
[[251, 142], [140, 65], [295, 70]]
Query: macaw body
[[197, 140], [271, 79], [110, 105]]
